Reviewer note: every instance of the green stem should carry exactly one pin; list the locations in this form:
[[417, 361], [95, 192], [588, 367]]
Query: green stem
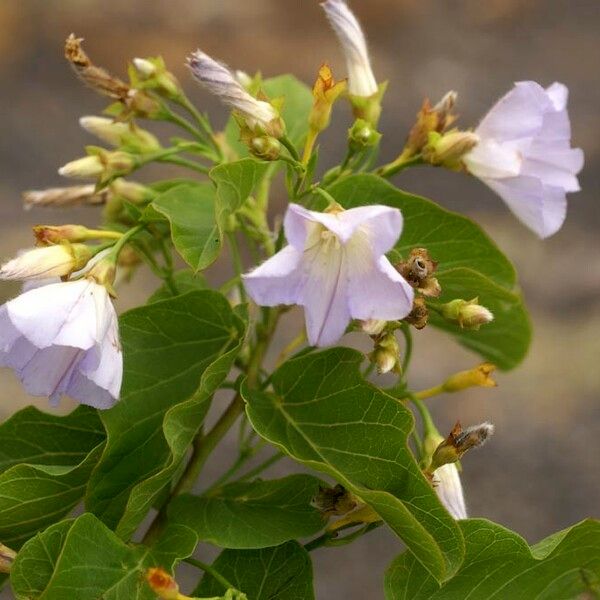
[[185, 124], [401, 163], [184, 162], [124, 239], [325, 194], [289, 146], [211, 571], [262, 466], [202, 121], [408, 348], [236, 258]]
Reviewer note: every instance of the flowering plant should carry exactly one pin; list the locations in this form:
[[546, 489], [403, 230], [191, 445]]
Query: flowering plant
[[358, 255]]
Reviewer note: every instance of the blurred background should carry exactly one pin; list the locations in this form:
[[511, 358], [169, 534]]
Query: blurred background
[[540, 472]]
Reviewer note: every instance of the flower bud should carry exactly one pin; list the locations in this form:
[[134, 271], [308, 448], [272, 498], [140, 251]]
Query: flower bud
[[448, 149], [132, 191], [373, 326], [362, 135], [469, 314], [46, 235], [265, 147], [334, 500], [140, 104], [101, 164], [363, 515], [83, 168], [162, 584], [386, 355], [154, 75], [479, 376], [7, 557], [103, 273], [51, 261], [419, 315], [118, 133], [458, 442], [64, 196]]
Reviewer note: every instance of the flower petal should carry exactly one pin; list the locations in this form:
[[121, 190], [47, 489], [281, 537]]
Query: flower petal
[[542, 208], [278, 280], [449, 490], [380, 293]]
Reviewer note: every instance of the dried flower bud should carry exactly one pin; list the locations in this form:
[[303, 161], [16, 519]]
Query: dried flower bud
[[95, 77], [458, 442], [51, 261], [418, 270], [7, 557], [334, 500], [448, 149], [118, 133], [469, 314], [386, 354], [162, 584], [479, 376], [419, 315], [65, 196], [443, 111], [325, 92]]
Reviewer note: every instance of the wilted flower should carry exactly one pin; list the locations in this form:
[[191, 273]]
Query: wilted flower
[[63, 338], [418, 270], [162, 584], [460, 441], [335, 500], [51, 261], [419, 315], [325, 92], [361, 81], [525, 154], [221, 82], [469, 314], [447, 485], [335, 267]]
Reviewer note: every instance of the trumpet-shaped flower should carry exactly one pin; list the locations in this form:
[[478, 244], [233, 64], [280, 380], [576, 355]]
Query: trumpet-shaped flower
[[361, 81], [525, 155], [446, 481], [335, 268], [63, 338], [221, 82]]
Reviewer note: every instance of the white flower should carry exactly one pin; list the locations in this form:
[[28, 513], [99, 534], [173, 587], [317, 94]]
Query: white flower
[[108, 130], [525, 154], [50, 261], [335, 268], [63, 339], [446, 482], [361, 81], [221, 82]]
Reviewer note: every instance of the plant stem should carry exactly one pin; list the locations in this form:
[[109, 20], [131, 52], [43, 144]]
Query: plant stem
[[237, 263], [325, 194], [405, 328], [287, 143], [184, 162], [211, 571], [405, 160], [262, 467], [295, 343], [124, 238]]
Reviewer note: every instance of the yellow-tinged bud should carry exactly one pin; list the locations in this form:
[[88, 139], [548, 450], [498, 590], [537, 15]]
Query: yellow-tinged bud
[[386, 354], [132, 191], [479, 376], [362, 135], [117, 133], [154, 75], [469, 314], [88, 167], [7, 557], [458, 442], [162, 584], [448, 149], [46, 235], [104, 273], [325, 92], [50, 261], [373, 326], [334, 500], [363, 515], [265, 147], [100, 164]]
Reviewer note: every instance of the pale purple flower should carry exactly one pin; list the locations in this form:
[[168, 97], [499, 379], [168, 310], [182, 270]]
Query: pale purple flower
[[361, 81], [335, 268], [221, 82], [525, 155], [446, 482], [63, 339]]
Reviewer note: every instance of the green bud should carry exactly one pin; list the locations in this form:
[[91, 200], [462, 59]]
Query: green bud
[[362, 135]]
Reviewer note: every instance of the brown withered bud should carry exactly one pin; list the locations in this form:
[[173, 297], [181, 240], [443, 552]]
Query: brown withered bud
[[65, 196], [162, 584], [418, 270], [334, 501], [460, 441], [419, 315], [97, 78], [7, 557]]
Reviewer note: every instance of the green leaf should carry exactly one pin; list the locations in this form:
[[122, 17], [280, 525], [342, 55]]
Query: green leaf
[[506, 339], [185, 281], [45, 463], [82, 559], [470, 265], [252, 514], [325, 415], [280, 573], [191, 211], [499, 564], [199, 213], [297, 104], [177, 352]]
